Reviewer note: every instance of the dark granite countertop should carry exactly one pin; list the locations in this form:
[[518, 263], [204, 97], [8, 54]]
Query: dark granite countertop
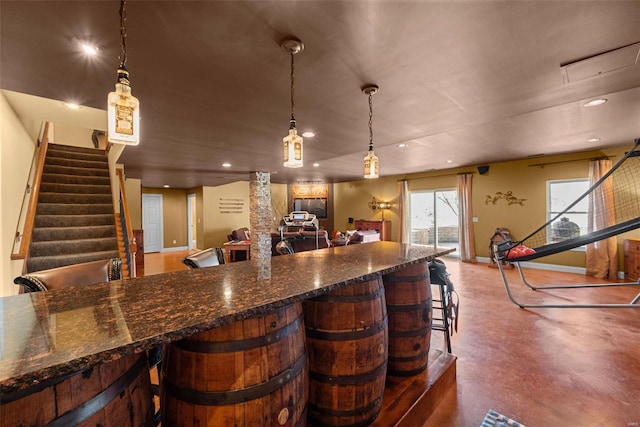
[[48, 334]]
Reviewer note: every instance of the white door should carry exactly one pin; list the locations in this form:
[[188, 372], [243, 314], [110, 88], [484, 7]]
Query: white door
[[191, 215], [152, 222]]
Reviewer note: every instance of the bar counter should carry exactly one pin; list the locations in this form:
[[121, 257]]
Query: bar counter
[[46, 335]]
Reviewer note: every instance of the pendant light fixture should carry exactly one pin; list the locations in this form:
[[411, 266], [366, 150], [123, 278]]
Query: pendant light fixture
[[122, 107], [292, 142], [371, 162]]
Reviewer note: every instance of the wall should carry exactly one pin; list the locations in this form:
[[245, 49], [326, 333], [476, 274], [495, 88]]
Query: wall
[[174, 216], [351, 199], [17, 146], [133, 191], [523, 178]]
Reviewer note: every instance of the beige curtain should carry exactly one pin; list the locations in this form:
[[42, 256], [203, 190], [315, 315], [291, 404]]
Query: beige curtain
[[465, 218], [602, 256], [404, 232]]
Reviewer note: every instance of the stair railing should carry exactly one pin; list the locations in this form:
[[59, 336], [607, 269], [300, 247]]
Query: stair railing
[[130, 245], [26, 219]]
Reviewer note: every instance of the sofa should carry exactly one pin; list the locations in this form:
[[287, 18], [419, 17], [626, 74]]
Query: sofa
[[356, 237], [301, 240]]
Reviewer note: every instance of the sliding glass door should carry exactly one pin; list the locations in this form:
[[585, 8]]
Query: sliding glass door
[[434, 218]]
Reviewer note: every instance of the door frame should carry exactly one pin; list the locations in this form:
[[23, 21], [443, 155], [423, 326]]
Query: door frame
[[190, 198]]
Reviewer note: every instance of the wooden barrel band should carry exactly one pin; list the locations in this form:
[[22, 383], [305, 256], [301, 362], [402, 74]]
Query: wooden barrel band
[[412, 333], [351, 298], [348, 335], [418, 356], [409, 373], [319, 423], [232, 397], [365, 377], [346, 413], [410, 307], [19, 394], [396, 279], [216, 347], [87, 409]]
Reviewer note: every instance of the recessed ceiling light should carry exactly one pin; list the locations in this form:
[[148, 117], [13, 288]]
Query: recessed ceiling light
[[593, 139], [166, 186], [89, 49], [308, 134], [315, 165], [226, 165], [403, 145], [449, 161], [595, 102], [71, 105]]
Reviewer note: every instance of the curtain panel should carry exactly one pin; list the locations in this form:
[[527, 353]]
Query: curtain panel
[[602, 256], [465, 218]]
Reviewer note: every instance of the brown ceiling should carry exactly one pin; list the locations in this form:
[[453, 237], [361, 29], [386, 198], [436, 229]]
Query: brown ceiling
[[471, 82]]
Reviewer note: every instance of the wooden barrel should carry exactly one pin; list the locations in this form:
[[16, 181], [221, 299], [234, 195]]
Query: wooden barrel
[[251, 372], [410, 306], [347, 341], [113, 394]]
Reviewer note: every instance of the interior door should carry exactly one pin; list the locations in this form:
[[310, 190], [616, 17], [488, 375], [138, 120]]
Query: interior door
[[152, 222]]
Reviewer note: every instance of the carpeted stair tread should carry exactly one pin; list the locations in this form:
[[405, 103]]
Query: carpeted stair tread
[[72, 233], [75, 179], [53, 187], [45, 263], [66, 170], [75, 149], [45, 197], [94, 155], [69, 247], [74, 209], [76, 163], [73, 220]]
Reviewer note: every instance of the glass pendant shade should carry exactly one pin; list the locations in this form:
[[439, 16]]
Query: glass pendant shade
[[123, 112], [371, 165], [292, 149]]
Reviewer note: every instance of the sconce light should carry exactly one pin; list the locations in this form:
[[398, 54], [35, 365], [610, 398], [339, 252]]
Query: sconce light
[[378, 205]]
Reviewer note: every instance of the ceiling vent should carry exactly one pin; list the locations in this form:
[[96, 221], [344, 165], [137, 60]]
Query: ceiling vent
[[602, 63]]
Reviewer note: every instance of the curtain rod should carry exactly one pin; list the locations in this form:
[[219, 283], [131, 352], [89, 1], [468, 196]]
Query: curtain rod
[[434, 176], [574, 160]]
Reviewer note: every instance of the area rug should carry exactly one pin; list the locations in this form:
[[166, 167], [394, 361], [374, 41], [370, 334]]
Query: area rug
[[495, 419]]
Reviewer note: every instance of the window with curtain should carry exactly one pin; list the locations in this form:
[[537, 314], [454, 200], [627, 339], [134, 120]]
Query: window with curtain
[[434, 218], [573, 223]]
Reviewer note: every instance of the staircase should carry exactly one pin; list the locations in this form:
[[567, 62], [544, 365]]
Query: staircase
[[74, 219]]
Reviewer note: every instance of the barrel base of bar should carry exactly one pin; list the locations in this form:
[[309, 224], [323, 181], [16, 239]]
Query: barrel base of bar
[[409, 401]]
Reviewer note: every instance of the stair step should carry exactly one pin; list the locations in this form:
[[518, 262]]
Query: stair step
[[41, 234], [45, 197], [96, 155], [76, 163], [75, 149], [75, 179], [47, 262], [73, 220], [51, 187], [66, 170], [69, 247], [74, 209]]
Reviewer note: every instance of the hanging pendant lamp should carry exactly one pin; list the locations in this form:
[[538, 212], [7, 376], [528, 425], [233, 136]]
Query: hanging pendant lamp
[[123, 108], [371, 163], [293, 150]]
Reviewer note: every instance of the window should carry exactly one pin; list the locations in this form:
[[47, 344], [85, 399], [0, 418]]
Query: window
[[572, 223], [434, 218]]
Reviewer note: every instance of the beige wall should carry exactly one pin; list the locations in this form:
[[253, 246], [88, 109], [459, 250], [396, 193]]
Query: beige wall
[[523, 178], [217, 222], [133, 191], [17, 146], [174, 216]]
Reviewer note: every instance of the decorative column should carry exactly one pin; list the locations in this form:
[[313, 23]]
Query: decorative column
[[260, 214]]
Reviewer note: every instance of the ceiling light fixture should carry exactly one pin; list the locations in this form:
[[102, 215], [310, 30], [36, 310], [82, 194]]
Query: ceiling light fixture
[[226, 165], [292, 142], [371, 163], [593, 139], [308, 134], [89, 49], [315, 165], [71, 105], [595, 102], [122, 107], [403, 145]]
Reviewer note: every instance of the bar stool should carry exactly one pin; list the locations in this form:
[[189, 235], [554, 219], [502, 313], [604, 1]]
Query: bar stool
[[446, 305]]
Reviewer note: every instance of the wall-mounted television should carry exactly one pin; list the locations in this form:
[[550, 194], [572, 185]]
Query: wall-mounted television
[[318, 207]]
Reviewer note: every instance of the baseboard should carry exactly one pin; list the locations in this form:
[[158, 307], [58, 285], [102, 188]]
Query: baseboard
[[176, 249], [551, 267]]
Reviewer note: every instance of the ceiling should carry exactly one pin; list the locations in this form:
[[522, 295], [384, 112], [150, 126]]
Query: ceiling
[[461, 83]]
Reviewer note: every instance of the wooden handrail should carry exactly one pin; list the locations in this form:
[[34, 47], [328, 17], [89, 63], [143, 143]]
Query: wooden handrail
[[33, 200], [127, 217]]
